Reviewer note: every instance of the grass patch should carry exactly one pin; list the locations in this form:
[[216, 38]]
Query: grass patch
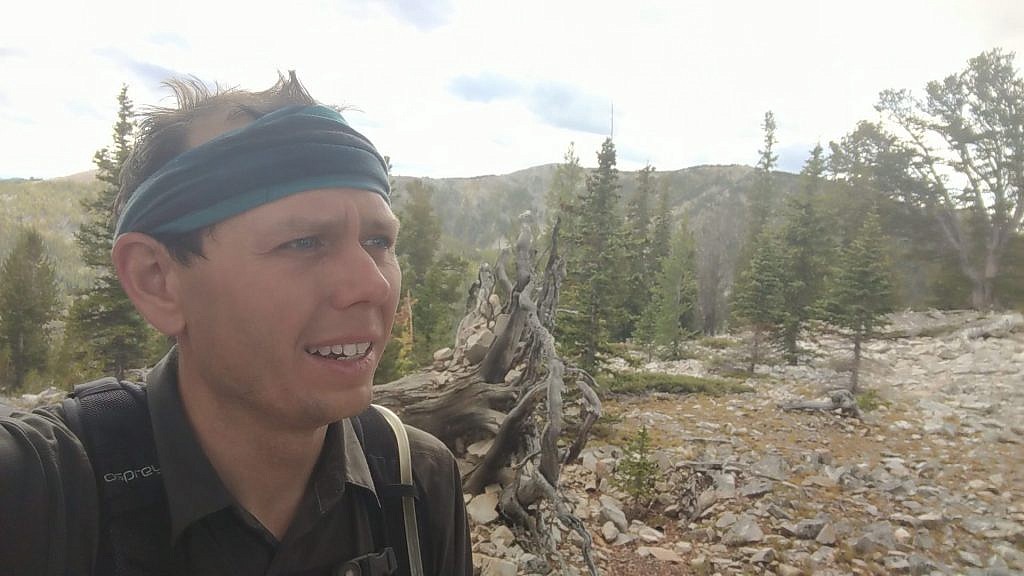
[[607, 426], [868, 400], [717, 342], [641, 382]]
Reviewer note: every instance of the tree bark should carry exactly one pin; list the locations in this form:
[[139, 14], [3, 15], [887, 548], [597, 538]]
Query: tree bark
[[505, 382]]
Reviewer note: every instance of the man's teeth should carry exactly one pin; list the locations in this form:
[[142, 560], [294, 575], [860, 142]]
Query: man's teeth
[[341, 350]]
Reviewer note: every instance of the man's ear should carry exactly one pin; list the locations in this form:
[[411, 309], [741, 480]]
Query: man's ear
[[150, 278]]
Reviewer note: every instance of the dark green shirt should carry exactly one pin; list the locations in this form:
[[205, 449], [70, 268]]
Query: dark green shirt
[[49, 510]]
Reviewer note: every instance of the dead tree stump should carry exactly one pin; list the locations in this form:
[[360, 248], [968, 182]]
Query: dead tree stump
[[505, 382]]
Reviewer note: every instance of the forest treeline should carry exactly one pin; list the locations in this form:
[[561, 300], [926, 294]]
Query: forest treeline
[[921, 207]]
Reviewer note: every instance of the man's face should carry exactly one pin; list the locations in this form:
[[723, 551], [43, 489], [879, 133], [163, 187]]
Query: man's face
[[288, 313]]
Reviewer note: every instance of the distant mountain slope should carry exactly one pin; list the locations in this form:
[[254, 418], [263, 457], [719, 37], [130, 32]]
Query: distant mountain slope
[[54, 208], [477, 213]]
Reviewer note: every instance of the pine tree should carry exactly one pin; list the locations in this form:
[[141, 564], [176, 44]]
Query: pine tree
[[661, 233], [760, 208], [764, 189], [593, 286], [564, 192], [637, 243], [421, 234], [860, 292], [432, 281], [803, 245], [29, 300], [437, 307], [637, 472], [675, 300], [759, 298], [106, 333]]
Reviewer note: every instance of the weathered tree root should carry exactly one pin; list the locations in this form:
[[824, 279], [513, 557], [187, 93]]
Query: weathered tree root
[[514, 394]]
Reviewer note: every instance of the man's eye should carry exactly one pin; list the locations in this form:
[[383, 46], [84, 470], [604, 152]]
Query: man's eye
[[306, 243], [383, 242]]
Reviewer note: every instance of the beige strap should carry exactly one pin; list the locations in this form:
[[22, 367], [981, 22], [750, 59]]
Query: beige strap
[[412, 535]]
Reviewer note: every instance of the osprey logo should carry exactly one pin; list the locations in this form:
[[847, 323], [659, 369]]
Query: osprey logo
[[132, 475]]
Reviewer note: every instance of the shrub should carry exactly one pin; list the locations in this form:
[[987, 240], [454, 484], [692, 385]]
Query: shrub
[[869, 399], [636, 472], [641, 382]]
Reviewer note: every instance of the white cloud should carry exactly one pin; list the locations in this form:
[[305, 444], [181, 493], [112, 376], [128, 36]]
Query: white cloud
[[690, 81]]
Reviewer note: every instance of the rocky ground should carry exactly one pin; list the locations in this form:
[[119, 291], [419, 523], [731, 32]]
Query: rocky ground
[[930, 482]]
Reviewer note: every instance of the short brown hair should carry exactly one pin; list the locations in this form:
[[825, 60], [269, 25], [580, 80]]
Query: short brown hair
[[163, 134]]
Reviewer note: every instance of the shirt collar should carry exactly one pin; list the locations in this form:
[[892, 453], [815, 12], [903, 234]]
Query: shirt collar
[[193, 486]]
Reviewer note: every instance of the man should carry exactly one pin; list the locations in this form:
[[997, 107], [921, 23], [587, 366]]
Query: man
[[255, 229]]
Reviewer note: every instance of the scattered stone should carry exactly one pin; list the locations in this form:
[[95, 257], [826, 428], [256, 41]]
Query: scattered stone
[[826, 536], [503, 535], [896, 565], [663, 554], [490, 566], [683, 547], [787, 570], [756, 487], [650, 535], [611, 510], [920, 565], [970, 558], [609, 532], [764, 556], [804, 530], [744, 531], [482, 509]]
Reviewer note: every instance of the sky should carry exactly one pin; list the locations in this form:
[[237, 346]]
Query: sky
[[465, 88]]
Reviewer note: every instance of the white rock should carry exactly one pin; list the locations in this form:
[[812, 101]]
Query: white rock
[[503, 535], [650, 535], [482, 509], [663, 554], [609, 532]]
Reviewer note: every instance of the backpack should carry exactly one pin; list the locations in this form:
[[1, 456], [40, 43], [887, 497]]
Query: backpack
[[112, 420]]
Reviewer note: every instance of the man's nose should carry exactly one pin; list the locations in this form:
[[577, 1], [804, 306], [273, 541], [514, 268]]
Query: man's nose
[[357, 277]]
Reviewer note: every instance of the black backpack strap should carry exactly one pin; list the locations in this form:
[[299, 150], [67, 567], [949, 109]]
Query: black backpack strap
[[112, 420]]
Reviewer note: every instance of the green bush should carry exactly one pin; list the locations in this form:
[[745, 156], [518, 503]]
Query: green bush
[[641, 382], [636, 472], [869, 399]]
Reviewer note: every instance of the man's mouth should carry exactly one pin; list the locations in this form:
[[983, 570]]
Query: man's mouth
[[342, 351]]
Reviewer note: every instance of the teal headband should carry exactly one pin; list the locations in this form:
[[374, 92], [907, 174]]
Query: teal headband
[[291, 150]]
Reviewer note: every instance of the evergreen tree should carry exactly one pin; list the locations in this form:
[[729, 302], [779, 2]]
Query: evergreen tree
[[432, 282], [637, 244], [759, 296], [661, 233], [437, 308], [764, 189], [421, 234], [565, 191], [593, 284], [757, 225], [860, 292], [804, 243], [29, 299], [105, 332], [675, 301]]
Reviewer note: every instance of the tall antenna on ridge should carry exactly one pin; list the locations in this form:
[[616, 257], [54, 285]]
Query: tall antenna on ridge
[[611, 132]]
